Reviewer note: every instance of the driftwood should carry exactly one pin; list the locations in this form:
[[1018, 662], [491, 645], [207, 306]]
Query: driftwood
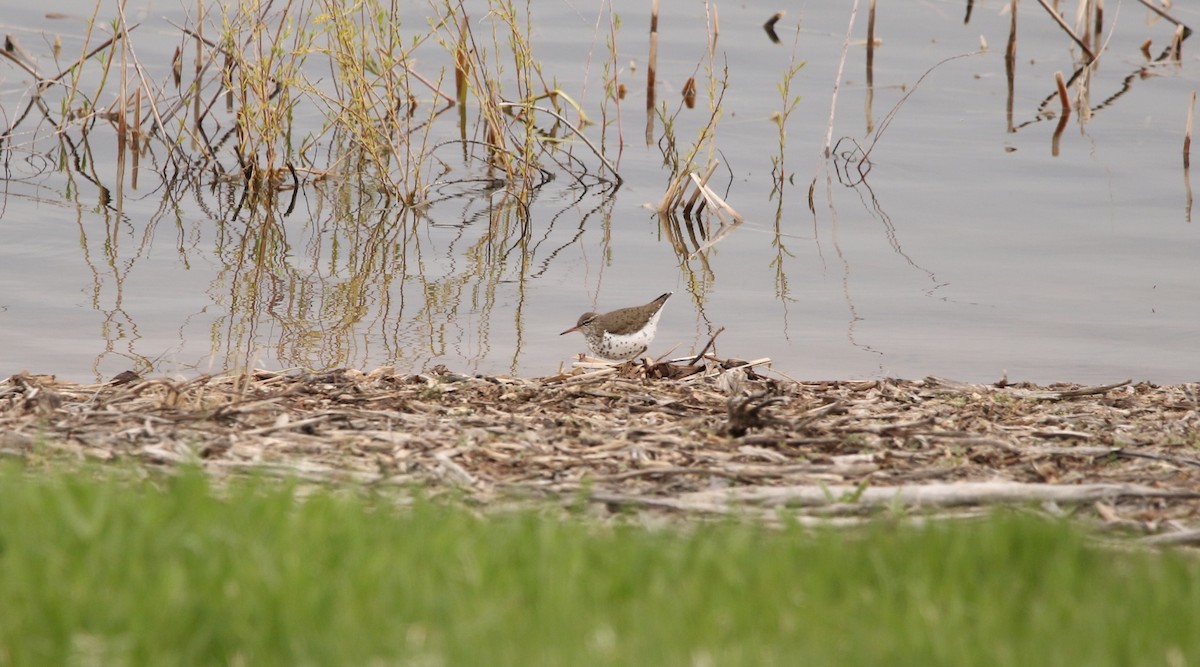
[[933, 495], [688, 437]]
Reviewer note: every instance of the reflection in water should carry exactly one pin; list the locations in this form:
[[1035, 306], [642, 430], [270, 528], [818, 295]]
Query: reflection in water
[[412, 248], [356, 271], [318, 277], [1010, 64], [1080, 79], [781, 178], [1187, 157], [1088, 36], [109, 261]]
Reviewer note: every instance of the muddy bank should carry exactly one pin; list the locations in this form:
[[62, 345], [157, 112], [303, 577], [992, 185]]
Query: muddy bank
[[715, 438]]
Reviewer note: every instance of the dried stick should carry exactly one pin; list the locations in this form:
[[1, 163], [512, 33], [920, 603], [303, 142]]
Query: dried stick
[[936, 494], [695, 360], [715, 201]]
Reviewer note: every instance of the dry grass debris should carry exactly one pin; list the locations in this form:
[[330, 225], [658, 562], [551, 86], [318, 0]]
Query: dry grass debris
[[715, 438]]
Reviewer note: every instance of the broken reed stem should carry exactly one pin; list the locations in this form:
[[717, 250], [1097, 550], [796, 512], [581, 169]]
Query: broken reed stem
[[1187, 135], [716, 203], [691, 202], [1063, 98]]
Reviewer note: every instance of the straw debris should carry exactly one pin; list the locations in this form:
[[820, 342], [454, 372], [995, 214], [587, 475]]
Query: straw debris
[[717, 437]]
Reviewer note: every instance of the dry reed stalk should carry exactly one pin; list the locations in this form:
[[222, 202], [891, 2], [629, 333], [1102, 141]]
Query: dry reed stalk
[[838, 81], [462, 63], [1083, 88], [870, 66], [651, 68], [1083, 21], [200, 66], [134, 139], [865, 153], [673, 193], [1010, 52], [1176, 53], [716, 203], [1066, 28], [137, 116], [123, 97], [1010, 66], [870, 32], [678, 188], [172, 147], [227, 70], [716, 31]]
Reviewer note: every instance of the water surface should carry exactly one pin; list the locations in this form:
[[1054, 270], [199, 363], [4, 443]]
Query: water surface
[[970, 250]]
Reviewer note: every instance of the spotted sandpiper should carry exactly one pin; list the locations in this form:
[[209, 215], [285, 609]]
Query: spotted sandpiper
[[622, 334]]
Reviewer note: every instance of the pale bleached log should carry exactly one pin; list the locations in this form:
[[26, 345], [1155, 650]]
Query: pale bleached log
[[933, 495]]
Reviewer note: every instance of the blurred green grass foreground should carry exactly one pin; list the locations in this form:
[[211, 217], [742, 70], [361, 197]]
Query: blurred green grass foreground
[[97, 569]]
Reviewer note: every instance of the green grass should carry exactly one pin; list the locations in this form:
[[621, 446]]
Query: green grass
[[98, 570]]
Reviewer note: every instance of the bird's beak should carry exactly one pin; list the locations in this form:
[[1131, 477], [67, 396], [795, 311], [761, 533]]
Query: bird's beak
[[571, 330]]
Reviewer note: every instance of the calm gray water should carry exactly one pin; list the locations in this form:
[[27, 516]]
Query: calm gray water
[[969, 251]]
